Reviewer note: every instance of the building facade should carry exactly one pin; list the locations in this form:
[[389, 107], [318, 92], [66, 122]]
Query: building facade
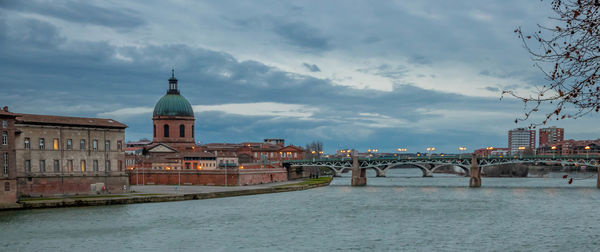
[[58, 155], [521, 140], [8, 178], [550, 136]]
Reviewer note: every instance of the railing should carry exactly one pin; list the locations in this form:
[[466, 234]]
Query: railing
[[450, 157]]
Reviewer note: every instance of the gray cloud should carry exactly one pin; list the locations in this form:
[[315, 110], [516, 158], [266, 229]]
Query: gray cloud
[[303, 36], [311, 67], [78, 11]]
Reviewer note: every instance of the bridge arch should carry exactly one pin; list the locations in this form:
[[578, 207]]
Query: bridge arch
[[465, 169], [426, 171]]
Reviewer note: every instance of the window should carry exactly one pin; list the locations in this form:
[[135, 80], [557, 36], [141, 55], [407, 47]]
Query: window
[[166, 130], [107, 165], [27, 165], [106, 145], [56, 166], [95, 165], [82, 165], [119, 145], [69, 144], [192, 130], [255, 154], [5, 163], [271, 154], [120, 165], [7, 186], [295, 154], [181, 130], [55, 144], [4, 124], [42, 145], [82, 144], [69, 165], [187, 166], [95, 145], [281, 154], [27, 143], [42, 165], [154, 130], [4, 138]]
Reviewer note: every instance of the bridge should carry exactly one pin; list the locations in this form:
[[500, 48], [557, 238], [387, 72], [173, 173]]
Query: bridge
[[472, 165]]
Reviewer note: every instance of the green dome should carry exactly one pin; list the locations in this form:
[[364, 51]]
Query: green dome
[[173, 105]]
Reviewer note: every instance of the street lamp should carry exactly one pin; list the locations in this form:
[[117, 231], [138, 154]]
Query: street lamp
[[587, 155], [490, 149], [521, 148], [461, 149], [430, 149], [553, 151]]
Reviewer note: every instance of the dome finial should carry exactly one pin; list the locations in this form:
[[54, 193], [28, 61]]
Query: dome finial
[[173, 83]]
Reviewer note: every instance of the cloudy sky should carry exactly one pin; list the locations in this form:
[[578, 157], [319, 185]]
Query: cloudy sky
[[352, 74]]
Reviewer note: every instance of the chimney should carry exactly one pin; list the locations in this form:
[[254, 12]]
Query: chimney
[[5, 108]]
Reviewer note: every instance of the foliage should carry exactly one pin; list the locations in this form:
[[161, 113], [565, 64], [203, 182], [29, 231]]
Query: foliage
[[569, 56]]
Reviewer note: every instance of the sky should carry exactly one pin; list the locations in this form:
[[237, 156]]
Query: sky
[[351, 74]]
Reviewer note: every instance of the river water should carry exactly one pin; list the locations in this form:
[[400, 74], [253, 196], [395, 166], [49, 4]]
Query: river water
[[399, 212]]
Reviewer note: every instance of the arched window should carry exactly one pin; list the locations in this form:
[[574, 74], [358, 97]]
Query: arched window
[[154, 130], [166, 128], [181, 130], [192, 130]]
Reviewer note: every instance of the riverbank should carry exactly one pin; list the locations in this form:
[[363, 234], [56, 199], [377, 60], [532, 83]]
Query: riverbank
[[150, 194]]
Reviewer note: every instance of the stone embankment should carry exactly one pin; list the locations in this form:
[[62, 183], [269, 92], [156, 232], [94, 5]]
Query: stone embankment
[[98, 200]]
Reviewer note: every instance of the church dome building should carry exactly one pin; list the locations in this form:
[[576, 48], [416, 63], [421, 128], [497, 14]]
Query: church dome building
[[173, 118]]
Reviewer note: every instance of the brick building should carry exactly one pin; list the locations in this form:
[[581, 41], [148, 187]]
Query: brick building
[[58, 155], [8, 178], [551, 136]]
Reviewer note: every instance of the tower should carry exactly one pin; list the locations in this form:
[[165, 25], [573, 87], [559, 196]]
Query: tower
[[173, 118]]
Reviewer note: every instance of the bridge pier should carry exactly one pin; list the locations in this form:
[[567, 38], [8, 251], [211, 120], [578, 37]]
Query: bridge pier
[[359, 176], [475, 172], [427, 173], [598, 179], [380, 173]]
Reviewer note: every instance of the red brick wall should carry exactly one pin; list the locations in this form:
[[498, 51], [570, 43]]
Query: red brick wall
[[216, 177], [71, 185], [173, 130], [11, 195]]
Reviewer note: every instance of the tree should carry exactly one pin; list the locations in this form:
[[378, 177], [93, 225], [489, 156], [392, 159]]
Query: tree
[[569, 55], [316, 146]]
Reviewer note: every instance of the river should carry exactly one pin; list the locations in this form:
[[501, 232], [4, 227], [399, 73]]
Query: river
[[399, 212]]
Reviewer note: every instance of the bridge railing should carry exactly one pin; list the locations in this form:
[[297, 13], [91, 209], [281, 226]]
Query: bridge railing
[[449, 157]]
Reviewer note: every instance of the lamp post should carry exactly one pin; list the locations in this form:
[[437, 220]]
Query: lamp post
[[401, 150], [587, 154], [429, 149], [553, 152], [521, 148], [461, 149]]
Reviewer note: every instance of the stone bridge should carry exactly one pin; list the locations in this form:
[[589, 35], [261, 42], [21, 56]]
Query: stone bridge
[[472, 165]]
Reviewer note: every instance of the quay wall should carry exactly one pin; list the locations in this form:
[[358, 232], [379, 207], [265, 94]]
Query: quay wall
[[232, 177], [51, 185]]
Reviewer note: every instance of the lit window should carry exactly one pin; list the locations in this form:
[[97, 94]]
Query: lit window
[[82, 165], [69, 144], [4, 138], [55, 143], [95, 145], [27, 143], [42, 144]]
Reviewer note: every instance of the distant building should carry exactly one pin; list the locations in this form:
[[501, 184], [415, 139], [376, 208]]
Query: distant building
[[572, 147], [551, 136], [492, 151], [521, 140]]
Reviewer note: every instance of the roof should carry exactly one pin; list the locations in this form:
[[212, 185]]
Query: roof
[[173, 105], [70, 121], [5, 113]]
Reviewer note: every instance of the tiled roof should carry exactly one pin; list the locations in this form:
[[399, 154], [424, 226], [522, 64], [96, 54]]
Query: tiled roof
[[70, 121]]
